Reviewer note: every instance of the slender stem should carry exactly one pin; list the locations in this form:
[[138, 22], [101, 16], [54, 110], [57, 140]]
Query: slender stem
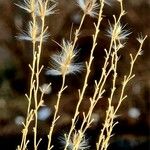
[[56, 112], [62, 88], [38, 70], [77, 32], [88, 66], [28, 120], [74, 43], [129, 77]]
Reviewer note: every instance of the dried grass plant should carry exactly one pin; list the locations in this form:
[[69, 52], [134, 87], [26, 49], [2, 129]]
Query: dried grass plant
[[63, 63]]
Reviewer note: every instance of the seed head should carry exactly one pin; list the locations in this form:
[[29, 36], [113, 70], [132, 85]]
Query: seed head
[[89, 7], [45, 8], [28, 5], [140, 38], [63, 62], [118, 32], [83, 145], [33, 33]]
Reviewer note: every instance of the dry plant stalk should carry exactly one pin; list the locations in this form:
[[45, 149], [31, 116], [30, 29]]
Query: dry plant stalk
[[64, 67], [111, 112], [63, 64], [37, 34], [117, 34], [88, 9]]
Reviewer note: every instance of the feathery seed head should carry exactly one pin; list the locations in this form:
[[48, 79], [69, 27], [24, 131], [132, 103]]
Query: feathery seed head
[[89, 7], [83, 145], [45, 9], [118, 32], [28, 5], [33, 33], [30, 34], [140, 38], [63, 62]]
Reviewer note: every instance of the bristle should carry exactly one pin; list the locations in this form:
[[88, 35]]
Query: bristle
[[118, 31], [89, 7], [63, 62]]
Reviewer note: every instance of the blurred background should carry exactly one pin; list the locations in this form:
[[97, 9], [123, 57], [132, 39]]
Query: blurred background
[[133, 130]]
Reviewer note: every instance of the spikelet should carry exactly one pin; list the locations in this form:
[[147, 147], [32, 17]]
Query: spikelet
[[28, 5], [118, 32], [89, 7], [83, 145], [63, 62], [45, 8], [33, 33]]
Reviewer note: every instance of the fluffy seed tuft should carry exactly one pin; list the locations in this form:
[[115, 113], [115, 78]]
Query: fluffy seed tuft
[[45, 8], [83, 145], [63, 62], [27, 5], [89, 7], [140, 38], [33, 33], [118, 31]]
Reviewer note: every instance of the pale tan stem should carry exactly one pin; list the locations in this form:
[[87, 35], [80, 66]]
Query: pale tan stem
[[77, 32], [74, 43], [55, 118], [88, 67], [129, 77], [108, 124], [38, 70], [29, 98]]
